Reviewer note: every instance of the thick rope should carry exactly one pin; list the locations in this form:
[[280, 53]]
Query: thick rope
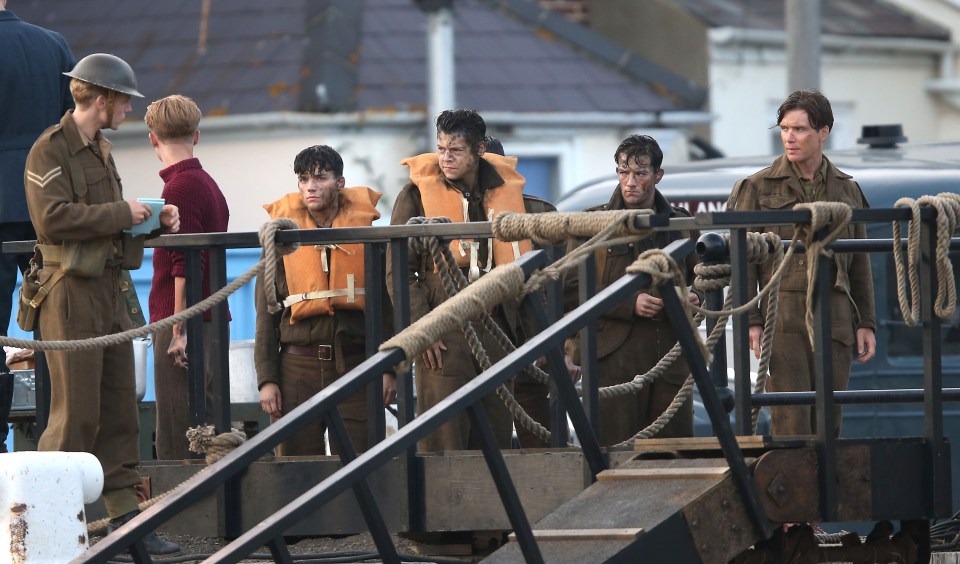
[[202, 440], [757, 249], [453, 280], [552, 228], [823, 215], [268, 236], [499, 284], [140, 332], [605, 229], [948, 215]]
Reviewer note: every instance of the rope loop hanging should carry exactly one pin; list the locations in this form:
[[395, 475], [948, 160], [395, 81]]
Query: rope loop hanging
[[268, 233], [947, 206], [828, 220]]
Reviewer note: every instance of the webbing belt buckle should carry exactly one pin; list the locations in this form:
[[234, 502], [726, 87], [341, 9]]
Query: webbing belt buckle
[[325, 352]]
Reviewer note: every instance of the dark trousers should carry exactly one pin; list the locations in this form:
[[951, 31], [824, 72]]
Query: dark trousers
[[9, 264], [172, 387], [303, 377], [459, 367]]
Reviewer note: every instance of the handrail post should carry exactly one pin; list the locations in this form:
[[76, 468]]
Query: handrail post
[[505, 486], [373, 254], [195, 352], [406, 400], [824, 377], [587, 288], [718, 418], [937, 482], [713, 250], [229, 497], [741, 327]]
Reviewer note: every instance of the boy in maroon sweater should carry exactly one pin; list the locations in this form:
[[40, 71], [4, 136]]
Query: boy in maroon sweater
[[173, 125]]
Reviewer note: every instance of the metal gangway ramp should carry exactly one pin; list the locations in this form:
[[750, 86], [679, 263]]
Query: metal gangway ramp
[[681, 500]]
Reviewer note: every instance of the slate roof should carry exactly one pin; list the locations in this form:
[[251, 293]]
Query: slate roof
[[366, 55], [873, 18]]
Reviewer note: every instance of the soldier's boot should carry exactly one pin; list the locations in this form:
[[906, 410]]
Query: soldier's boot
[[152, 542]]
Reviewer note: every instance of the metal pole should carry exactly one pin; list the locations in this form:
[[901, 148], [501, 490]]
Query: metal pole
[[803, 44], [441, 78]]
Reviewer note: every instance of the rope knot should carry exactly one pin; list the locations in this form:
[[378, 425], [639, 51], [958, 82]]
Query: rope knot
[[711, 276], [659, 266], [203, 440], [823, 215], [762, 247], [425, 244]]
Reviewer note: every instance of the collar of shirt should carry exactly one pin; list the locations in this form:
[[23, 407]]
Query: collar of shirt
[[102, 144], [811, 186]]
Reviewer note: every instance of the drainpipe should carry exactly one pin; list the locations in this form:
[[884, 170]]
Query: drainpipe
[[441, 78], [803, 44]]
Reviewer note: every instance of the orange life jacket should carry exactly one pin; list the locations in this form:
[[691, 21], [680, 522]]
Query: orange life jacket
[[314, 286], [441, 200]]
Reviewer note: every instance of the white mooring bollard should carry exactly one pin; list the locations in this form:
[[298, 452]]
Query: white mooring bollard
[[41, 497]]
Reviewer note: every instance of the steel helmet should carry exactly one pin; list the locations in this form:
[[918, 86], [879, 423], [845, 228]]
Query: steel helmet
[[108, 71]]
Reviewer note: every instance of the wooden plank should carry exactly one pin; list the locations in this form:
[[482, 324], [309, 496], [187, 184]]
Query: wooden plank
[[711, 473], [697, 443], [627, 534], [460, 494]]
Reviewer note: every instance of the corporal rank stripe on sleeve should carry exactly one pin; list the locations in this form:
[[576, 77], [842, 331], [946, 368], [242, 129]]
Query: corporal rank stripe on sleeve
[[42, 181]]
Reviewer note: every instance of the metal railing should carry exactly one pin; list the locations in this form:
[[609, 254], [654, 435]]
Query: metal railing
[[584, 414]]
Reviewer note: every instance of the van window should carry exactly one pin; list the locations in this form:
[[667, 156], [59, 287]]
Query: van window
[[908, 341]]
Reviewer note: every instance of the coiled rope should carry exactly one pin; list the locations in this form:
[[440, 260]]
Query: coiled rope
[[948, 216], [202, 439]]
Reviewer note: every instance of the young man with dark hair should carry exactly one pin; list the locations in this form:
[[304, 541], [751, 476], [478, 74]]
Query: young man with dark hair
[[319, 334], [804, 174], [174, 131], [465, 183], [75, 200], [634, 335]]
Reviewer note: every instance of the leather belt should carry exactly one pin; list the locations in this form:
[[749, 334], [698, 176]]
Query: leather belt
[[322, 352]]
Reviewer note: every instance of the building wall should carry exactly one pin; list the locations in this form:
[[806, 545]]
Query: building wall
[[253, 163], [945, 13], [748, 82]]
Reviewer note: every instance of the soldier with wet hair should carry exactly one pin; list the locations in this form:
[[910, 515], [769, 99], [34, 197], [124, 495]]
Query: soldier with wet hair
[[320, 334], [464, 182], [635, 334]]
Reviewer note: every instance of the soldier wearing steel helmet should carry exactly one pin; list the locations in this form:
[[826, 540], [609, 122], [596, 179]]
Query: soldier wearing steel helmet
[[76, 203]]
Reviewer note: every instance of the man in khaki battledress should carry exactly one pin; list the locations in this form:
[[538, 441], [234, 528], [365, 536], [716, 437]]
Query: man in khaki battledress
[[804, 174], [76, 204]]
